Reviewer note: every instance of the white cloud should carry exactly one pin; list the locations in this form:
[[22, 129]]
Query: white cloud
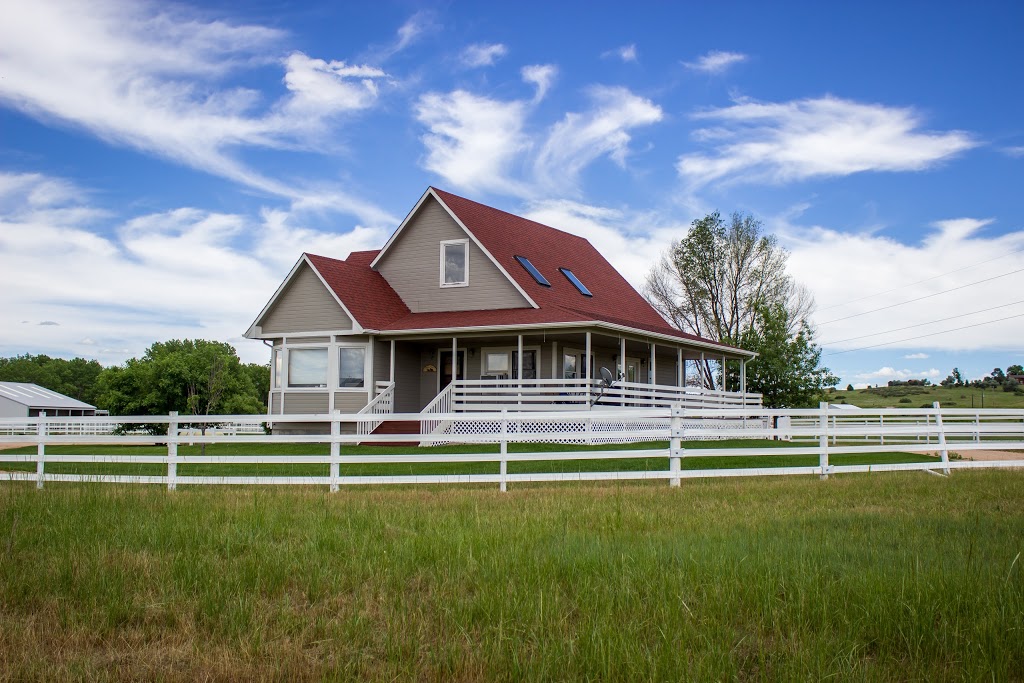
[[857, 277], [148, 280], [153, 77], [777, 143], [716, 61], [540, 75], [915, 356], [581, 138], [472, 140], [627, 53], [887, 373], [482, 54], [1015, 152]]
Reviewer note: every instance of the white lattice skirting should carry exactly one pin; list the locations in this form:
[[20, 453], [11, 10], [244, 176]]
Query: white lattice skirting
[[599, 431]]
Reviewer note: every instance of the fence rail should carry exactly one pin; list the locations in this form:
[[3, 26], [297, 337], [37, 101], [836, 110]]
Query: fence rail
[[814, 432]]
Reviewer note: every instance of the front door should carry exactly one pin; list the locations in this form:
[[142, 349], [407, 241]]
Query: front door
[[632, 370], [445, 373]]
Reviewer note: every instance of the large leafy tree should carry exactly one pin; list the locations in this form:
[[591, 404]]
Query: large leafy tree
[[75, 378], [197, 377], [727, 281], [787, 370]]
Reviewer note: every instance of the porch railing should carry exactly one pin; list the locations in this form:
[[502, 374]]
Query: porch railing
[[382, 404], [441, 404], [571, 394]]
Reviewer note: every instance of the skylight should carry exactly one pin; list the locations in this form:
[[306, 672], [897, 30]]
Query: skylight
[[571, 277], [532, 270]]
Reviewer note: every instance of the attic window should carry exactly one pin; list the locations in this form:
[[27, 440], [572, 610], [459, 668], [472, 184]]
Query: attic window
[[455, 263], [575, 281], [532, 270]]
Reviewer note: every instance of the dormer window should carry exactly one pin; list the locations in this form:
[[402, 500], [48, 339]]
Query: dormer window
[[532, 270], [455, 263], [571, 277]]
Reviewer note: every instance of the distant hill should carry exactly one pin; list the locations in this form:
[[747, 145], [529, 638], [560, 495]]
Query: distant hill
[[919, 397]]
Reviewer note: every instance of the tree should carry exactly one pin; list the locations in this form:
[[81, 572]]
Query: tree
[[75, 378], [728, 282], [849, 387], [787, 371], [199, 377], [1015, 370]]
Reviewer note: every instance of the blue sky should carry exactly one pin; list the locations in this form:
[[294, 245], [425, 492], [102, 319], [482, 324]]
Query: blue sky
[[162, 166]]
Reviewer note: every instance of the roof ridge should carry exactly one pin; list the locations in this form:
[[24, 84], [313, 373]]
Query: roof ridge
[[509, 213]]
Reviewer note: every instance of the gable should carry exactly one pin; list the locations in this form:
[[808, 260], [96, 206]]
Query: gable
[[411, 265], [304, 305]]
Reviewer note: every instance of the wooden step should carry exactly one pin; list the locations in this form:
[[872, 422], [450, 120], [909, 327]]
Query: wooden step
[[396, 427]]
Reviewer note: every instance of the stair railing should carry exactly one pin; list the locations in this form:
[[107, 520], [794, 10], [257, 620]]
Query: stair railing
[[383, 404]]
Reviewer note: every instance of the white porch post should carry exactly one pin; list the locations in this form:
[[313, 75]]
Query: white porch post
[[392, 374], [703, 369], [680, 369], [622, 356], [743, 376], [586, 369], [724, 385], [556, 372], [654, 374]]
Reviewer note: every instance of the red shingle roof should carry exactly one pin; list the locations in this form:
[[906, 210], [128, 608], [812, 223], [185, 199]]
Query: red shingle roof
[[376, 305]]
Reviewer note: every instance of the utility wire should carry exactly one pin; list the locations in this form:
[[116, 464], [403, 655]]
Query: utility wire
[[920, 298], [931, 322], [927, 279], [922, 336]]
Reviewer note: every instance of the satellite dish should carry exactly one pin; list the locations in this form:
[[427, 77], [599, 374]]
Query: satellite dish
[[606, 377]]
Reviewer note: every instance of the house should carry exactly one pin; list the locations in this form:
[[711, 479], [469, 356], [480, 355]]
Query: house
[[21, 399], [467, 299]]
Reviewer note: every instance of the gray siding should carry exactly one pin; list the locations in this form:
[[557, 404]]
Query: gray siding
[[412, 267], [275, 403], [9, 408], [381, 361], [305, 306], [666, 367], [407, 378], [306, 403], [350, 401]]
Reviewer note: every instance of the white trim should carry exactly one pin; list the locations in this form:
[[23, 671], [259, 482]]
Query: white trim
[[635, 332], [465, 251], [512, 351], [465, 363], [431, 193], [367, 367], [252, 332]]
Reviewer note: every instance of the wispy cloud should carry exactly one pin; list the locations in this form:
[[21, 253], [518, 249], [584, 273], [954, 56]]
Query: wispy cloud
[[1015, 152], [472, 140], [145, 278], [915, 356], [828, 136], [716, 62], [482, 54], [541, 76], [627, 53], [604, 129], [153, 78], [889, 373]]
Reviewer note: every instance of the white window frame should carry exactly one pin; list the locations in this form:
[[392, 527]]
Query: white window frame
[[465, 251], [511, 351], [326, 386], [366, 366]]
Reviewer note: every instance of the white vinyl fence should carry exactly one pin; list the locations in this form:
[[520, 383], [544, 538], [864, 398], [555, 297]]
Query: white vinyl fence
[[821, 433]]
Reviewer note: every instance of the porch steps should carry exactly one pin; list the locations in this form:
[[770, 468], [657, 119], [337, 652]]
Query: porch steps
[[396, 427]]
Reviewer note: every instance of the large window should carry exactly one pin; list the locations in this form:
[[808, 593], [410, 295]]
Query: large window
[[307, 368], [352, 367], [454, 263]]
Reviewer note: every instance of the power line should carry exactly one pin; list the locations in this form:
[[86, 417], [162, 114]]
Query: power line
[[927, 279], [920, 298], [922, 336], [931, 322]]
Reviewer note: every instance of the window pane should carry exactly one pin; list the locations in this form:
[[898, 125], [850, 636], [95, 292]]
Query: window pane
[[351, 367], [569, 366], [454, 263], [277, 368], [307, 367], [575, 281], [529, 365], [497, 363]]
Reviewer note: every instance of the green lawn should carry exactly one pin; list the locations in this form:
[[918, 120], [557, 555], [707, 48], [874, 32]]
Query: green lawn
[[781, 459], [918, 397], [891, 577]]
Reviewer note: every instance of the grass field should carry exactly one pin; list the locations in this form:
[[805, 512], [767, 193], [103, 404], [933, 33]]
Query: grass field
[[861, 577], [922, 397]]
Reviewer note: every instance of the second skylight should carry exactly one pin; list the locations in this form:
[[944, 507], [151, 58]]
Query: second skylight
[[532, 270]]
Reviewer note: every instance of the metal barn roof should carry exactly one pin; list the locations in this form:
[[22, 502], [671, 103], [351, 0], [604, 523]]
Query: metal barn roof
[[35, 396]]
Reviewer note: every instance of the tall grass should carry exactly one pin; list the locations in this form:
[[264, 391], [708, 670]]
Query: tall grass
[[863, 577]]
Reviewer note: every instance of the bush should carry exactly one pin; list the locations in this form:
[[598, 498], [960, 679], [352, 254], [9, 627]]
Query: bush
[[905, 400]]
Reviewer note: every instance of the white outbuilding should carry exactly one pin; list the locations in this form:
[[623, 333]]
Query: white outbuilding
[[20, 399]]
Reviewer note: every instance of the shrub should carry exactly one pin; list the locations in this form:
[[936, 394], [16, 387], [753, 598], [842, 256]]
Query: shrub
[[905, 400]]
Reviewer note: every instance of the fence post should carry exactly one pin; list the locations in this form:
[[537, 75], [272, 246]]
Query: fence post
[[336, 448], [40, 448], [172, 451], [676, 443], [504, 451], [823, 440], [881, 427], [942, 438]]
